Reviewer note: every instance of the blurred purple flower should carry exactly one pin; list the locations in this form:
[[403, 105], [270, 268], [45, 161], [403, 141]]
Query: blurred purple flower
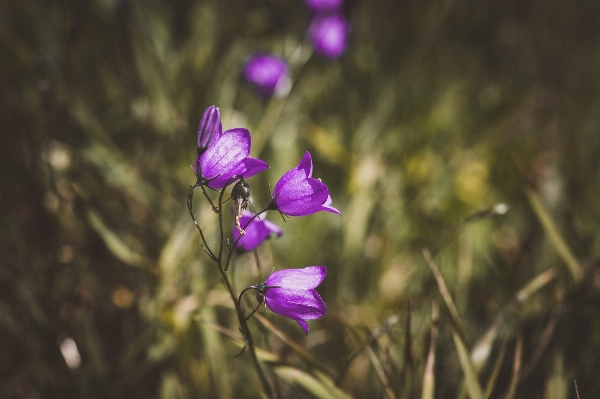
[[267, 72], [297, 193], [256, 232], [290, 293], [227, 157], [328, 35], [209, 128], [323, 5]]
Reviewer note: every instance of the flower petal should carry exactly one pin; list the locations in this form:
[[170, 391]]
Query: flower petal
[[252, 166], [306, 278], [327, 206], [295, 304], [300, 196], [303, 325], [306, 164], [256, 232], [223, 159]]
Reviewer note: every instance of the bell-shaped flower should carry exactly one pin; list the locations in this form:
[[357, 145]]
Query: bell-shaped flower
[[297, 193], [291, 293], [256, 232], [267, 73], [323, 5], [209, 128], [226, 158], [328, 35]]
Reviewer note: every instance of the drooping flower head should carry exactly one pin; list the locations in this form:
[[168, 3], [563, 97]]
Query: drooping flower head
[[297, 193], [328, 34], [323, 5], [226, 158], [291, 293], [267, 73], [256, 232]]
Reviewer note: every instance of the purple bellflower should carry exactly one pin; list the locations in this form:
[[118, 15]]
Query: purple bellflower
[[297, 193], [323, 5], [267, 73], [256, 232], [328, 35], [226, 158], [291, 293]]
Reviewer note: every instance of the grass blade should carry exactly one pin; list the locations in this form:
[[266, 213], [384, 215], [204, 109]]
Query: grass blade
[[471, 382]]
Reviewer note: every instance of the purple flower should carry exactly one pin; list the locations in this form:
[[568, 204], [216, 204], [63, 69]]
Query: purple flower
[[256, 232], [328, 35], [290, 293], [267, 72], [323, 5], [227, 157], [297, 193], [209, 128]]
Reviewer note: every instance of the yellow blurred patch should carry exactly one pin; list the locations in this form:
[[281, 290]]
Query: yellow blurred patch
[[470, 183], [327, 146]]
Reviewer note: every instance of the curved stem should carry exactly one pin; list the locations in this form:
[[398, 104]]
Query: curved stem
[[222, 241], [189, 204]]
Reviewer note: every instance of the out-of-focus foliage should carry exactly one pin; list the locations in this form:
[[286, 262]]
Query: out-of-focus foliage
[[436, 113]]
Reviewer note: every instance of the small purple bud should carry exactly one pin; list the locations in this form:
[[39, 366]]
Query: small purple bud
[[291, 293], [328, 35], [209, 129], [256, 232], [297, 193], [323, 5], [267, 73]]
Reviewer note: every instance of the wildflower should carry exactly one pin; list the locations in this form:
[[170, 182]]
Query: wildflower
[[297, 193], [267, 72], [256, 232], [323, 5], [227, 158], [328, 35], [291, 293]]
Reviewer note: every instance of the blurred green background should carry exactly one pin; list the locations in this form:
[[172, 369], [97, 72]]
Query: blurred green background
[[468, 131]]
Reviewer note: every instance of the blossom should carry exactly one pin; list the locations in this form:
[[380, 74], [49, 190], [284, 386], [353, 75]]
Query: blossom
[[328, 35], [297, 193], [291, 293], [256, 232], [267, 72], [209, 128], [323, 5], [227, 158]]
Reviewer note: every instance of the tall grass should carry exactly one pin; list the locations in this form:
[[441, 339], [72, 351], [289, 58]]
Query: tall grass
[[460, 142]]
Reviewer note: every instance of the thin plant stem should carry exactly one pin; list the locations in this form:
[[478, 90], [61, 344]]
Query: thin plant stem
[[237, 303], [189, 203], [214, 208], [257, 260]]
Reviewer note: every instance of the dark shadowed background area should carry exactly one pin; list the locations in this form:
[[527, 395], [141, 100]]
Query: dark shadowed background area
[[459, 139]]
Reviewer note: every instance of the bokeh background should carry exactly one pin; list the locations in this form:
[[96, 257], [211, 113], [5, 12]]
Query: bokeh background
[[459, 139]]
